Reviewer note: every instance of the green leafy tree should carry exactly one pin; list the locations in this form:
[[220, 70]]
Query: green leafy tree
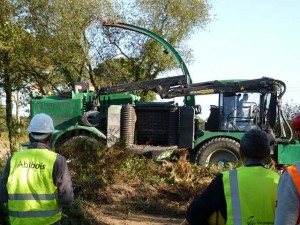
[[51, 45], [10, 41], [290, 110], [60, 44], [138, 56], [43, 45]]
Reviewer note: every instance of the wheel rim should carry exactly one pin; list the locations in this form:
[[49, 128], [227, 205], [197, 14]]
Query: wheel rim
[[221, 158]]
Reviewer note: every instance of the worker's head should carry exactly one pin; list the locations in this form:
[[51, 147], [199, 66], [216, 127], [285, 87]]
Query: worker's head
[[245, 97], [41, 128], [255, 145], [296, 125]]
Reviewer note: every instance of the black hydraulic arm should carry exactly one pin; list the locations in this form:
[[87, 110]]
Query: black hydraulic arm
[[262, 85], [178, 86], [160, 86]]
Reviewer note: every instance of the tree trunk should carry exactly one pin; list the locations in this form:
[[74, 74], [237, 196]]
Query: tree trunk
[[8, 91]]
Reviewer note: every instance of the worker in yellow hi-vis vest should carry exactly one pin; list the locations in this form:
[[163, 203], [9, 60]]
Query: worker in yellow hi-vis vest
[[242, 196], [36, 182]]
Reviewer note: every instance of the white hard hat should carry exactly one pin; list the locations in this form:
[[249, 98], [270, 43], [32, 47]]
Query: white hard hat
[[41, 123]]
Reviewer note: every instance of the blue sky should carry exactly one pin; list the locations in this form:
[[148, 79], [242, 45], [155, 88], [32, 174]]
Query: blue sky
[[249, 39]]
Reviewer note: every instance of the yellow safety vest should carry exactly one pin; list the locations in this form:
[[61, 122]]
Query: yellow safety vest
[[250, 194], [216, 219], [32, 196]]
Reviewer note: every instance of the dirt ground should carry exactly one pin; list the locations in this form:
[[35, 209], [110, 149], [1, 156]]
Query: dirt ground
[[122, 204], [117, 218]]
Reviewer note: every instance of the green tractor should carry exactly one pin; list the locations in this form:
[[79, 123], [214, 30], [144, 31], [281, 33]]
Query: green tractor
[[113, 113]]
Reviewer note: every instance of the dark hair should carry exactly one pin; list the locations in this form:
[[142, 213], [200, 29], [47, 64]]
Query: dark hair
[[47, 138], [255, 144]]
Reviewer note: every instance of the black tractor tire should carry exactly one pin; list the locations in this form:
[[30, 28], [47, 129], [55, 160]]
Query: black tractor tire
[[221, 152]]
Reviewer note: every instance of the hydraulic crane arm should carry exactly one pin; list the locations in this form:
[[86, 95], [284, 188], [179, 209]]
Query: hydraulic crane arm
[[178, 86], [262, 85], [160, 86], [168, 88]]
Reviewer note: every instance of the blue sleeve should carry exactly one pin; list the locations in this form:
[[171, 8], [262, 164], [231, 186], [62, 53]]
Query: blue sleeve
[[287, 207], [62, 180], [3, 182], [211, 200]]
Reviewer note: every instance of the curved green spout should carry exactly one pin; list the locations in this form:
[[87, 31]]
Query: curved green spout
[[189, 100]]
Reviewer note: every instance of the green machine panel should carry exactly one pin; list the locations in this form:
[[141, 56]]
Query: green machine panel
[[289, 154], [64, 113], [116, 99]]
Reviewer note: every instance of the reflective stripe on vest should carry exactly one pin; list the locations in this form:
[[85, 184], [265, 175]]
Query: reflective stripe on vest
[[32, 196], [34, 213], [294, 172], [235, 197], [231, 192]]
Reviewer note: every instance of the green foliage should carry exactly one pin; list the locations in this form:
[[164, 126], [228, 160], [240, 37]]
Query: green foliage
[[43, 45], [290, 110], [147, 171], [172, 15], [60, 28], [75, 215], [51, 46], [127, 56]]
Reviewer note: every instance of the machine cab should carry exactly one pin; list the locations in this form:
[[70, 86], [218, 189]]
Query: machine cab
[[235, 112]]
